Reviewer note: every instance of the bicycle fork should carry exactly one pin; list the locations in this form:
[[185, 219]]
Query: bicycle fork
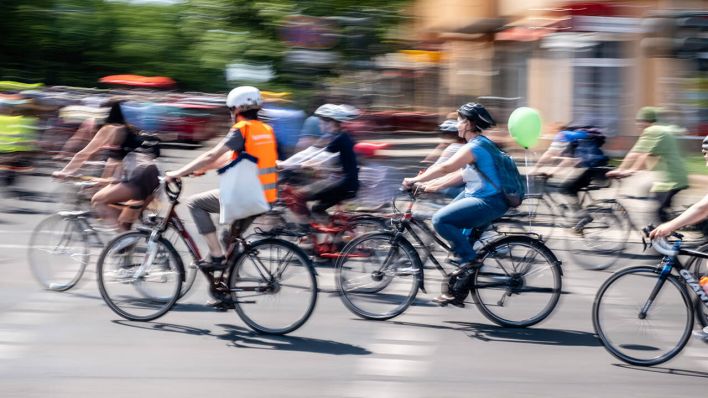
[[663, 274]]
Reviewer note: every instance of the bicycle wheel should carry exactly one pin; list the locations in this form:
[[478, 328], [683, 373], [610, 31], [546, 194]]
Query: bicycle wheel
[[139, 280], [378, 275], [58, 252], [273, 286], [699, 267], [642, 340], [519, 283], [603, 239]]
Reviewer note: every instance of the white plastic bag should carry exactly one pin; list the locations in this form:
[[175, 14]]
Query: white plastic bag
[[240, 191]]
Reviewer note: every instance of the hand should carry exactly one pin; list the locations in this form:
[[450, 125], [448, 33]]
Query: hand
[[171, 176], [60, 175], [661, 231], [408, 182]]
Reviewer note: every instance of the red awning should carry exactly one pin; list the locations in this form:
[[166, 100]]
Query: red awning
[[139, 81]]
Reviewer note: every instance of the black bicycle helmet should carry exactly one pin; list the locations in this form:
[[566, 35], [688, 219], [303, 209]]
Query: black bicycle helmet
[[478, 114]]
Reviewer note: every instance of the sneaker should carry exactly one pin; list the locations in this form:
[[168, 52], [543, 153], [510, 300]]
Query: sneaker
[[220, 305], [702, 334], [445, 299], [213, 264], [464, 264], [578, 228]]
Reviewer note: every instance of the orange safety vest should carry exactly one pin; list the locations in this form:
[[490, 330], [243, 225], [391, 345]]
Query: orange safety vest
[[259, 141]]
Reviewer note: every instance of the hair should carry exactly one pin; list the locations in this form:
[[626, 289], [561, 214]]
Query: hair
[[115, 114], [251, 114]]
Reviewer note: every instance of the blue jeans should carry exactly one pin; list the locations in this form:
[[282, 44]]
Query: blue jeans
[[464, 213]]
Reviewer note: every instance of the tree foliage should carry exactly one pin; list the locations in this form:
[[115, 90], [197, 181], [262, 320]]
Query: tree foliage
[[75, 42]]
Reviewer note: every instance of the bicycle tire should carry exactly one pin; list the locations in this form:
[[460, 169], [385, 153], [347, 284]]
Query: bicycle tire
[[42, 268], [113, 249], [239, 277], [593, 250], [495, 277], [350, 295], [618, 349]]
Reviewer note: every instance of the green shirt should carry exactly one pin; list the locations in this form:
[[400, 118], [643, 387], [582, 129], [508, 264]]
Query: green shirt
[[660, 142]]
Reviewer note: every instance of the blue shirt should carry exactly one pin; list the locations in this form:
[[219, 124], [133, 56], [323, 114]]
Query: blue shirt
[[477, 185]]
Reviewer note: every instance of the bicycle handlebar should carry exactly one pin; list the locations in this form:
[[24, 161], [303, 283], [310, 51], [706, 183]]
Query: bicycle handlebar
[[661, 245]]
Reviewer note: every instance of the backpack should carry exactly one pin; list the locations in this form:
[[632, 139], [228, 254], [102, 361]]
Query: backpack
[[513, 185]]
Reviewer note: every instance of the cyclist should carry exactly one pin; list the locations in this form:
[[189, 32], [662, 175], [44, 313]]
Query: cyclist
[[659, 142], [248, 134], [450, 185], [480, 203], [694, 214], [136, 182], [345, 182], [575, 149]]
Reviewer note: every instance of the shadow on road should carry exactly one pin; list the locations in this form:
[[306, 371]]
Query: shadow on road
[[493, 333], [240, 337], [668, 371]]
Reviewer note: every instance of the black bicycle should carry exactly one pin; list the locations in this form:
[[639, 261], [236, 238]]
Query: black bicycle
[[379, 274], [269, 282], [644, 315]]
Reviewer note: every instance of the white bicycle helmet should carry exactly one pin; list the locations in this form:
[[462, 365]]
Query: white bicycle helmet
[[244, 98], [340, 113]]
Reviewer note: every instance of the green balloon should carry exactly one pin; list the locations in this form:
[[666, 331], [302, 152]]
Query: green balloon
[[525, 126]]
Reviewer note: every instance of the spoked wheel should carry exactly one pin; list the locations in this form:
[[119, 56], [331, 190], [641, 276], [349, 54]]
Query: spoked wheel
[[699, 268], [273, 286], [58, 252], [602, 236], [634, 328], [138, 279], [519, 283], [378, 275]]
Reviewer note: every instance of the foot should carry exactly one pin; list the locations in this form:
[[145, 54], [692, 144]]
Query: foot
[[445, 299], [220, 305], [578, 228], [213, 264], [702, 334]]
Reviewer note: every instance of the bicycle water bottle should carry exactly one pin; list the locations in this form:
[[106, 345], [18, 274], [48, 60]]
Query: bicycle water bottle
[[704, 283]]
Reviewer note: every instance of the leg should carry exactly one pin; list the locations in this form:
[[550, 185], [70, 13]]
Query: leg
[[114, 193], [202, 206], [664, 199], [463, 213]]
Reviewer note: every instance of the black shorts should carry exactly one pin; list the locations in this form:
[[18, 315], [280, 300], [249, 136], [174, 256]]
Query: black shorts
[[144, 181]]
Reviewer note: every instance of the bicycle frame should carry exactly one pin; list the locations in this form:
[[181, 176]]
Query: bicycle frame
[[668, 263]]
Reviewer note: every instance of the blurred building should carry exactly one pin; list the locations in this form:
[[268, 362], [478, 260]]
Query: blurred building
[[590, 62]]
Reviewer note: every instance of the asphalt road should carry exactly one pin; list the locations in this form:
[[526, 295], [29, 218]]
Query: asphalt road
[[71, 345]]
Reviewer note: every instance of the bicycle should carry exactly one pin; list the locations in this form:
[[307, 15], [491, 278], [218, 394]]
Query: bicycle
[[323, 240], [644, 315], [598, 229], [60, 245], [379, 274], [140, 275]]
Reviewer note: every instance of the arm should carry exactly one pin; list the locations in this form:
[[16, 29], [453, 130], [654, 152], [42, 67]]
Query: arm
[[546, 158], [694, 214], [458, 161], [102, 138], [450, 180], [203, 161]]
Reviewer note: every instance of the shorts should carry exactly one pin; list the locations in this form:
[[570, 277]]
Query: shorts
[[144, 181]]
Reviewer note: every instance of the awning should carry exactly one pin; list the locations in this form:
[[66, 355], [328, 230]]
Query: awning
[[483, 25], [139, 81]]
